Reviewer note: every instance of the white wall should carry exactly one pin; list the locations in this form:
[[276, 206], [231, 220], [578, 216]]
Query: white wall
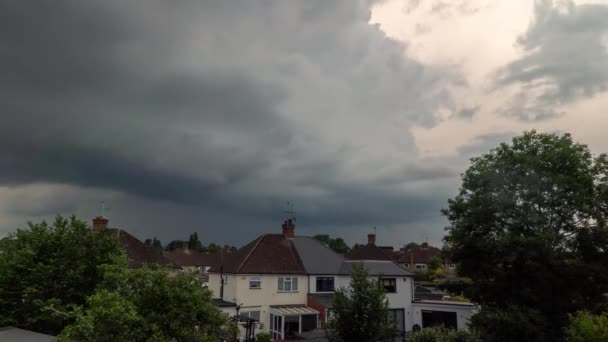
[[237, 290], [463, 311]]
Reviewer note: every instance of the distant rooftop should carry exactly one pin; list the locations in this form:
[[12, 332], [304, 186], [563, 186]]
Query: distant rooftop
[[13, 334]]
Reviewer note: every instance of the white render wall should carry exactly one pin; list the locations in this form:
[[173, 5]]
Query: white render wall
[[402, 299], [237, 290], [463, 311]]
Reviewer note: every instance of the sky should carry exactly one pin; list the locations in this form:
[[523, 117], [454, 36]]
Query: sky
[[209, 116]]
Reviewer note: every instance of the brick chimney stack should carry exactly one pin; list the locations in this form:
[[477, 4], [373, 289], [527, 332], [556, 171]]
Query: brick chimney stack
[[371, 239], [289, 229], [100, 223]]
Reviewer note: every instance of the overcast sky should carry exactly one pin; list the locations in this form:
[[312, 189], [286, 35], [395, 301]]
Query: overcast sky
[[209, 116]]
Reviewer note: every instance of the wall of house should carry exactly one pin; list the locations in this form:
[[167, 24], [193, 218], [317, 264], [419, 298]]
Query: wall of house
[[230, 282], [463, 311], [237, 290], [339, 281]]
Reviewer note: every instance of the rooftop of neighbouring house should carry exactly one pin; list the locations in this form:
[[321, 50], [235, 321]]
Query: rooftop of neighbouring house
[[138, 253], [289, 254], [13, 334], [186, 257], [370, 251], [420, 254]]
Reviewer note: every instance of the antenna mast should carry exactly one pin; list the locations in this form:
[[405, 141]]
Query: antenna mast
[[289, 210]]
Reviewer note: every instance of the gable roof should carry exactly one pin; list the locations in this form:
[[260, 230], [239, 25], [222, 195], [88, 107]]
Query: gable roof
[[317, 258], [376, 267], [20, 335], [137, 252], [367, 252], [420, 254], [268, 254]]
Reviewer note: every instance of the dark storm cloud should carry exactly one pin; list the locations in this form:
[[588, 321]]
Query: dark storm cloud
[[229, 107], [566, 58]]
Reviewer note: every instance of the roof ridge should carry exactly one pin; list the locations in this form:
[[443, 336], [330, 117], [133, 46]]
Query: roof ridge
[[250, 251]]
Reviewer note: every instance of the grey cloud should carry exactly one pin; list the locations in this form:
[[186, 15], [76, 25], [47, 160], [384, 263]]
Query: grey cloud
[[225, 107], [467, 113], [566, 58]]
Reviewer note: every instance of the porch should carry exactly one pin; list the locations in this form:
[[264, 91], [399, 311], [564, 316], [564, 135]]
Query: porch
[[288, 320]]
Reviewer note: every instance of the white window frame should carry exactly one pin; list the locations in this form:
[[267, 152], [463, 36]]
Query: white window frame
[[421, 266], [253, 280], [255, 314], [451, 266], [287, 282], [406, 265]]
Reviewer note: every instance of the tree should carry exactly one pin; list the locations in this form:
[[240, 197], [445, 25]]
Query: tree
[[435, 263], [360, 312], [48, 269], [529, 228], [410, 246], [441, 334], [194, 243], [338, 245], [147, 304], [586, 327]]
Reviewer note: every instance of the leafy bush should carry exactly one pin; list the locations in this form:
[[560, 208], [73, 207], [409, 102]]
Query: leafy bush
[[585, 327], [263, 337], [441, 334]]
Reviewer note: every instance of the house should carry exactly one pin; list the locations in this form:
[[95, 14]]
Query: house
[[195, 261], [287, 283], [418, 259], [137, 252]]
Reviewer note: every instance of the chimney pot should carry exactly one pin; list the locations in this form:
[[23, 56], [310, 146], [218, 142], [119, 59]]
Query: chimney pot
[[100, 223], [371, 239], [289, 229]]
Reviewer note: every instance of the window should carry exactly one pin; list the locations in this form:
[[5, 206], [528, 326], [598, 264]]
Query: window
[[452, 266], [288, 284], [255, 282], [325, 284], [406, 265], [421, 266], [389, 284], [252, 314]]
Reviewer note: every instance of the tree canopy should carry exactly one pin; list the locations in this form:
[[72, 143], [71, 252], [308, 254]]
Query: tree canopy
[[528, 226], [338, 245], [147, 304], [361, 312], [49, 268], [586, 327]]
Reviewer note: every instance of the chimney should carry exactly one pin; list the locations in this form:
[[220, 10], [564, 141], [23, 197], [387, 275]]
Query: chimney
[[289, 229], [100, 223], [371, 239]]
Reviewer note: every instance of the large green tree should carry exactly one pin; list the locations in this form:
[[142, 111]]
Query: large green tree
[[529, 227], [148, 304], [45, 269], [360, 311]]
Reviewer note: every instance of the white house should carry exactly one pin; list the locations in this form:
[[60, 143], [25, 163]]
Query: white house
[[287, 283]]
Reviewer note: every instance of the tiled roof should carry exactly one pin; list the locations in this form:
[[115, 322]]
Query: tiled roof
[[317, 258], [186, 257], [375, 267], [137, 252], [367, 252], [222, 303], [421, 254], [268, 254]]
